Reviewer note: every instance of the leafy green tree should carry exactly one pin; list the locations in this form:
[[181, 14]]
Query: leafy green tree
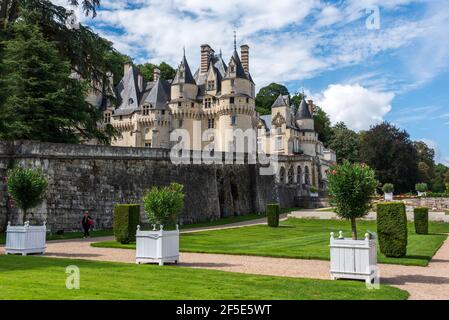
[[391, 153], [350, 188], [267, 95], [42, 101], [147, 71], [426, 163], [27, 188], [425, 172], [162, 205], [440, 176], [345, 143]]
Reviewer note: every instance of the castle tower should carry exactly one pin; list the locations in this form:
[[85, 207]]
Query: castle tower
[[184, 85]]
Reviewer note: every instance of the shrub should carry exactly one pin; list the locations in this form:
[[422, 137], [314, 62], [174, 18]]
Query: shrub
[[447, 187], [388, 188], [436, 195], [126, 219], [392, 229], [162, 205], [350, 189], [421, 187], [27, 188], [273, 211], [421, 216], [313, 189]]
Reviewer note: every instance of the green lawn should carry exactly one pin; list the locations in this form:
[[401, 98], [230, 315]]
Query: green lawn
[[302, 239], [44, 278], [447, 212], [105, 233]]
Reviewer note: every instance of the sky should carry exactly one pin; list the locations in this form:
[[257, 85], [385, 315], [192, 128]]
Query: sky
[[362, 61]]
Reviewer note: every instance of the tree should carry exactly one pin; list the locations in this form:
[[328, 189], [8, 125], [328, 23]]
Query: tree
[[42, 101], [425, 172], [267, 95], [391, 153], [350, 188], [426, 163], [162, 205], [27, 188], [440, 176], [147, 71], [345, 143]]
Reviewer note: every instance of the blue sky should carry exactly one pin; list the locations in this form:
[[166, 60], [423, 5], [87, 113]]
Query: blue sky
[[363, 61]]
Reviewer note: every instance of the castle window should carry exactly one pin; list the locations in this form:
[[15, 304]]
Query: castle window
[[107, 117], [130, 101], [210, 85], [192, 105], [179, 104], [180, 123], [232, 68], [278, 144], [259, 144], [146, 110], [247, 100], [148, 144], [291, 175], [163, 112], [231, 100], [207, 103], [211, 123], [233, 120], [232, 83]]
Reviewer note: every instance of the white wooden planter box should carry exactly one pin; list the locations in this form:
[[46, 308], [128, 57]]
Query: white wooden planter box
[[353, 259], [388, 196], [25, 239], [314, 194], [421, 194], [157, 246]]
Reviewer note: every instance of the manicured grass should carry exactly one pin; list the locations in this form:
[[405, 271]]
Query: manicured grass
[[45, 278], [302, 239], [69, 235], [446, 212], [325, 210]]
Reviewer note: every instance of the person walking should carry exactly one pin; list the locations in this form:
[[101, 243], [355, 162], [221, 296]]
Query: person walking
[[87, 223]]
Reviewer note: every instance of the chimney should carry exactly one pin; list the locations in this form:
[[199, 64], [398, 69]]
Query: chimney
[[206, 51], [244, 53], [140, 81], [126, 67], [310, 104], [156, 74]]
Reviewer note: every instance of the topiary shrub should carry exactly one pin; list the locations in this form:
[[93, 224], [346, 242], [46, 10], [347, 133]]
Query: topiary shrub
[[273, 211], [421, 216], [126, 220], [27, 188], [392, 229]]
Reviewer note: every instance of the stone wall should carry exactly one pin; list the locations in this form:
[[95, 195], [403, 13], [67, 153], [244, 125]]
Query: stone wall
[[95, 178], [435, 204]]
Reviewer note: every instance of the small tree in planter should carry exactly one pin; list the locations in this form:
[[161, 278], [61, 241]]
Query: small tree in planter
[[162, 206], [313, 191], [422, 188], [27, 188], [388, 189], [350, 188]]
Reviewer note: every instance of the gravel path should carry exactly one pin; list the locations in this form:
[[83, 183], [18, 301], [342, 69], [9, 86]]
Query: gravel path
[[430, 282]]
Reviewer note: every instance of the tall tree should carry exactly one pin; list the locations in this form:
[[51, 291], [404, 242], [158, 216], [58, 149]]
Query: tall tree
[[267, 95], [43, 102], [345, 143], [440, 177], [390, 152], [147, 71]]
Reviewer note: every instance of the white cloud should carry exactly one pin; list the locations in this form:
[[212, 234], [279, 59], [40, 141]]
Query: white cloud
[[355, 105], [439, 157]]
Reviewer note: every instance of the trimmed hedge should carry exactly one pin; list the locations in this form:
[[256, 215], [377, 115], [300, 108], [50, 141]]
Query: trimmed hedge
[[392, 229], [273, 211], [126, 219], [421, 216]]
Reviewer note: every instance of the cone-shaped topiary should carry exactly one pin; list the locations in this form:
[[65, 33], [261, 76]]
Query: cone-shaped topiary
[[126, 219]]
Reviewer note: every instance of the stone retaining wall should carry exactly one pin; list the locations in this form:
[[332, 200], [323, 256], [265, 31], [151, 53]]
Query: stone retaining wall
[[95, 178]]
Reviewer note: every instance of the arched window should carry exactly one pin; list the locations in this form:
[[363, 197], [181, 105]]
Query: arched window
[[282, 175], [307, 176], [291, 175], [299, 175]]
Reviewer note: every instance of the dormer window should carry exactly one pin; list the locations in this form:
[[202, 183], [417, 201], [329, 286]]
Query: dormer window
[[107, 117], [146, 110], [232, 68], [130, 101], [231, 100], [210, 85]]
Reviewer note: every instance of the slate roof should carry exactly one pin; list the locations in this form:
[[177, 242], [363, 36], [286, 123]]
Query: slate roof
[[267, 121], [281, 101], [158, 96], [303, 110], [187, 76]]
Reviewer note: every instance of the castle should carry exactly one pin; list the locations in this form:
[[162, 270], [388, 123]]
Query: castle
[[219, 96]]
